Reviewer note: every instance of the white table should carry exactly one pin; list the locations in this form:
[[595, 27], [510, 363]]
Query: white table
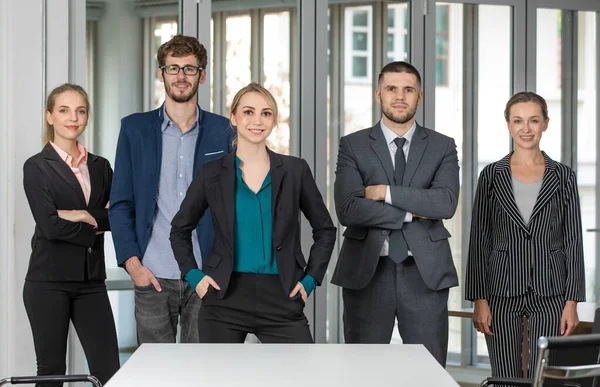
[[281, 365]]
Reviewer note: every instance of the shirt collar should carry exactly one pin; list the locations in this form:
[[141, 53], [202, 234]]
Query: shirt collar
[[390, 136], [167, 120], [83, 154]]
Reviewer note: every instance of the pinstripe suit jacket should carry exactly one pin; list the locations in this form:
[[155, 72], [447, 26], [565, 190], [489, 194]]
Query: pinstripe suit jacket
[[507, 256]]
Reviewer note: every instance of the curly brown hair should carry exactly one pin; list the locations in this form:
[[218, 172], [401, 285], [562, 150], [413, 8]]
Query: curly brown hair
[[181, 45]]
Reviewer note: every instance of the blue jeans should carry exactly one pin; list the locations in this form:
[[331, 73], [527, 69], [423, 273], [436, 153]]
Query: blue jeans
[[158, 313]]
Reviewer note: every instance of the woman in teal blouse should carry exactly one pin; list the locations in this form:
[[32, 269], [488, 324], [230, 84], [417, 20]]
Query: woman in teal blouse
[[255, 279]]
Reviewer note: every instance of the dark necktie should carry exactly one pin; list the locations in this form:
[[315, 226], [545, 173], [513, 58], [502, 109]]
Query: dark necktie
[[400, 161], [398, 247]]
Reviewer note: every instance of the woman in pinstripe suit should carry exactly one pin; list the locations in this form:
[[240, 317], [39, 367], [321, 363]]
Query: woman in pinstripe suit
[[525, 252]]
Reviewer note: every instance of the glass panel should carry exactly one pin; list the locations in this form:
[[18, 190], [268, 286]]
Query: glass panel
[[359, 41], [493, 90], [237, 60], [359, 66], [360, 18], [448, 120], [586, 142], [398, 42], [548, 74], [495, 83], [357, 69], [276, 64], [164, 30]]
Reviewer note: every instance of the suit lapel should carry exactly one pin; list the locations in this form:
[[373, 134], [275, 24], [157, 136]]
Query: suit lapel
[[550, 184], [382, 150], [416, 150], [277, 174], [63, 170], [228, 190], [96, 180], [503, 190]]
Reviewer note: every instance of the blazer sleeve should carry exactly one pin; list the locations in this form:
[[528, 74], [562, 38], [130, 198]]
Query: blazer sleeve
[[573, 243], [324, 232], [352, 209], [44, 211], [480, 242], [440, 200], [190, 212], [122, 206], [101, 214]]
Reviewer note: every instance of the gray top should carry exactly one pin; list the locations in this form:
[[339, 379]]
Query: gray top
[[525, 195], [176, 174]]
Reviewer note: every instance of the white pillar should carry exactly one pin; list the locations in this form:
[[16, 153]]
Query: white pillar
[[21, 114]]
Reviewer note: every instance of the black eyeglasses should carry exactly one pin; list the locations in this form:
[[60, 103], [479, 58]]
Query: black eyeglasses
[[187, 70]]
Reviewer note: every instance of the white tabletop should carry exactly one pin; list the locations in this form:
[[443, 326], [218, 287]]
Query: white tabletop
[[281, 365]]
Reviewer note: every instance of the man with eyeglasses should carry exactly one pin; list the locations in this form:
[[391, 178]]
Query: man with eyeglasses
[[158, 154]]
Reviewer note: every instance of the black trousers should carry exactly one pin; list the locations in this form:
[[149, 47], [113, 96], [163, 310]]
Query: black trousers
[[253, 303], [51, 305]]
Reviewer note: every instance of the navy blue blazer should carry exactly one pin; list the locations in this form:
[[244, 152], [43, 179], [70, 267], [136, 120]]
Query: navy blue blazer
[[136, 178]]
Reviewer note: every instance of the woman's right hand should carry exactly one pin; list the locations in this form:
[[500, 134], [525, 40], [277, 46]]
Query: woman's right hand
[[482, 317], [205, 282]]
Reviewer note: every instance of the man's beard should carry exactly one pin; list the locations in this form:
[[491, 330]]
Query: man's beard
[[399, 118], [182, 98]]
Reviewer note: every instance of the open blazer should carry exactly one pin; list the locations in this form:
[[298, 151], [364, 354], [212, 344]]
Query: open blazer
[[507, 256], [64, 250], [293, 190]]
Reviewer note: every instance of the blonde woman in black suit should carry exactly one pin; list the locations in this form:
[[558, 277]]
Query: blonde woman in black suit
[[525, 253], [68, 191]]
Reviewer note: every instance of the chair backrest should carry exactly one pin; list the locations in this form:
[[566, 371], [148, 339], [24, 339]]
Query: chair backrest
[[587, 369]]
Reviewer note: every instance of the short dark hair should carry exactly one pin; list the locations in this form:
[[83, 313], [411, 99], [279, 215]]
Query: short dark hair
[[180, 46], [399, 67], [526, 96]]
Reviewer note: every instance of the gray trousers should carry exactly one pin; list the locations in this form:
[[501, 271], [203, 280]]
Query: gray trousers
[[397, 291], [157, 314]]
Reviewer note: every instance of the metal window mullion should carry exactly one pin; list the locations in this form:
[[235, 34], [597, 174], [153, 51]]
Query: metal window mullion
[[294, 82], [219, 50], [428, 9], [469, 158], [569, 88], [596, 235], [379, 49], [417, 45], [518, 72], [336, 130], [256, 46]]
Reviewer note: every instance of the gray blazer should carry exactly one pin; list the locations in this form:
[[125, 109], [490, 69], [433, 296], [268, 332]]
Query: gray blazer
[[430, 188]]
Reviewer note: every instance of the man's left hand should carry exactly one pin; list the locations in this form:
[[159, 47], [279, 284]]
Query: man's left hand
[[375, 192]]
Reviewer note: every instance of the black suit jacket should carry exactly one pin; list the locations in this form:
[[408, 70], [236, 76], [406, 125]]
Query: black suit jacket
[[64, 250], [293, 190]]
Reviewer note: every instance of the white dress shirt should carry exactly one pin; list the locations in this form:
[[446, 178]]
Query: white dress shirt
[[390, 136]]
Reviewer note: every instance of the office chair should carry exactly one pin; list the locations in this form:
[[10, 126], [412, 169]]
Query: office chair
[[51, 379], [545, 371]]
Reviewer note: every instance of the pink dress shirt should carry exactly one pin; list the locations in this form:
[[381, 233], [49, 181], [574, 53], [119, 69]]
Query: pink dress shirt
[[80, 170]]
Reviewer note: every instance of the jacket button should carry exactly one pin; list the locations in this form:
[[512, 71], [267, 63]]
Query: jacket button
[[384, 232], [89, 249], [278, 248], [528, 237]]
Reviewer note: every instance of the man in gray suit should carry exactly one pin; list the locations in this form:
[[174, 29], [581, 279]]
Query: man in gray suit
[[394, 183]]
